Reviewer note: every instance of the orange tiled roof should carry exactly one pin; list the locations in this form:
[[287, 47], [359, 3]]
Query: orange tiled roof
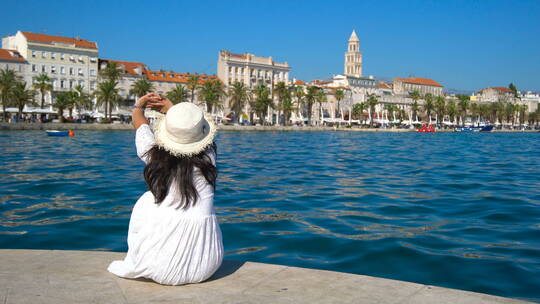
[[384, 85], [129, 67], [11, 55], [421, 81], [177, 77], [83, 43], [500, 89], [299, 82]]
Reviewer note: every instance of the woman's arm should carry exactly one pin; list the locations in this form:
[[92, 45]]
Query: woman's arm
[[150, 100]]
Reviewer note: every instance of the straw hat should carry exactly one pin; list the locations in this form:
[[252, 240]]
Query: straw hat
[[185, 130]]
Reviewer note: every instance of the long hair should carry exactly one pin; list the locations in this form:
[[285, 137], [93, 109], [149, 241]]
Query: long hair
[[164, 170]]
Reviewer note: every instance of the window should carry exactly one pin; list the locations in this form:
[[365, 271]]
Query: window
[[92, 72], [43, 68], [34, 68], [54, 83], [71, 84], [33, 54], [81, 83], [62, 56], [53, 69], [62, 83], [53, 55], [93, 59], [70, 71], [62, 70], [43, 54], [72, 58], [80, 72], [81, 59], [92, 85]]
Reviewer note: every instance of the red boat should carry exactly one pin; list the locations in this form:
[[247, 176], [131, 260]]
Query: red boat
[[426, 128]]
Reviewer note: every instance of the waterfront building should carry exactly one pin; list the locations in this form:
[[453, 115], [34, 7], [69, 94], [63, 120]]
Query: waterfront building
[[531, 99], [251, 70], [404, 86], [353, 57], [67, 61], [166, 81], [12, 60], [494, 94], [131, 73]]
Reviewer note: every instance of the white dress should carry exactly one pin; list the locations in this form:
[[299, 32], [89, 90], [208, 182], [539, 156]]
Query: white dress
[[171, 245]]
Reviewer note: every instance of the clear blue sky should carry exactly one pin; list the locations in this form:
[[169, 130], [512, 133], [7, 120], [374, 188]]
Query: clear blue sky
[[462, 44]]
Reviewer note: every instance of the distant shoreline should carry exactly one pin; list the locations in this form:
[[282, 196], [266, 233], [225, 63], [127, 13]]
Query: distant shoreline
[[126, 127]]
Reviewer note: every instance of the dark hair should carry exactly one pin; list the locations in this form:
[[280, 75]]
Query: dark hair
[[164, 169]]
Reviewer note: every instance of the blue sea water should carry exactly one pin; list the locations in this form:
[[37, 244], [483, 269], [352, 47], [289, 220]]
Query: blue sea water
[[448, 209]]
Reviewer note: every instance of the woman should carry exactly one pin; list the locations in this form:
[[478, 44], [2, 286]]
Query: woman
[[174, 236]]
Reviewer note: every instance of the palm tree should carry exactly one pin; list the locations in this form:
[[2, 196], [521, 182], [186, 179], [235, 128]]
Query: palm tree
[[358, 110], [414, 110], [8, 79], [522, 110], [111, 72], [310, 98], [451, 110], [22, 96], [440, 108], [262, 101], [62, 101], [281, 90], [428, 105], [371, 103], [178, 94], [299, 94], [287, 106], [475, 111], [43, 84], [141, 87], [321, 98], [212, 92], [239, 96], [463, 106], [192, 85], [339, 95], [509, 110], [81, 100], [107, 94]]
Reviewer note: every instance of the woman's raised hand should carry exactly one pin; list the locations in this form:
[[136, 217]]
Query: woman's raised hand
[[161, 104], [145, 100]]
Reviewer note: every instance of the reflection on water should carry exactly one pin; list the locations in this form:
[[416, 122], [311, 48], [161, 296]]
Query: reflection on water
[[456, 210]]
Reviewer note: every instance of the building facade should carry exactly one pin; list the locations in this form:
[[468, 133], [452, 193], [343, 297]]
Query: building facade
[[353, 57], [164, 82], [131, 73], [251, 70], [67, 61], [12, 60], [494, 94], [404, 86]]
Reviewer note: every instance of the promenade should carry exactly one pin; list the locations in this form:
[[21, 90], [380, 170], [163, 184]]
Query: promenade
[[97, 126], [52, 276]]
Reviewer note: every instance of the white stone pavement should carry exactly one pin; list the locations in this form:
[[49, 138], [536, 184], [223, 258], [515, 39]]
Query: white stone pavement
[[55, 276]]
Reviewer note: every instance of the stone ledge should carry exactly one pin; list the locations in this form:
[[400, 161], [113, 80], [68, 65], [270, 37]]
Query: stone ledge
[[56, 276]]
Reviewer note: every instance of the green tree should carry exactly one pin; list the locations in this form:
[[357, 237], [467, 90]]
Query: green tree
[[513, 88], [239, 96], [8, 80], [22, 96], [261, 102], [192, 85], [451, 109], [282, 91], [111, 72], [372, 101], [310, 98], [287, 105], [440, 109], [339, 95], [299, 95], [81, 100], [141, 87], [212, 93], [463, 106], [414, 110], [321, 98], [62, 101], [107, 95], [178, 94], [43, 84], [358, 110], [428, 105]]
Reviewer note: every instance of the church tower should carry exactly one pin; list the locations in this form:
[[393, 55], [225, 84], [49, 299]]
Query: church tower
[[353, 57]]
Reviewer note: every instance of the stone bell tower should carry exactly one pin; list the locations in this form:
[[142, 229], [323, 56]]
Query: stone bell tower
[[353, 57]]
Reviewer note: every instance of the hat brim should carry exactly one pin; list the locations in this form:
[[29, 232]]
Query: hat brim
[[177, 149]]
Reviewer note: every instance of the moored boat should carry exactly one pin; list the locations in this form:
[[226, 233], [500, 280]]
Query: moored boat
[[426, 128], [59, 133], [487, 128]]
